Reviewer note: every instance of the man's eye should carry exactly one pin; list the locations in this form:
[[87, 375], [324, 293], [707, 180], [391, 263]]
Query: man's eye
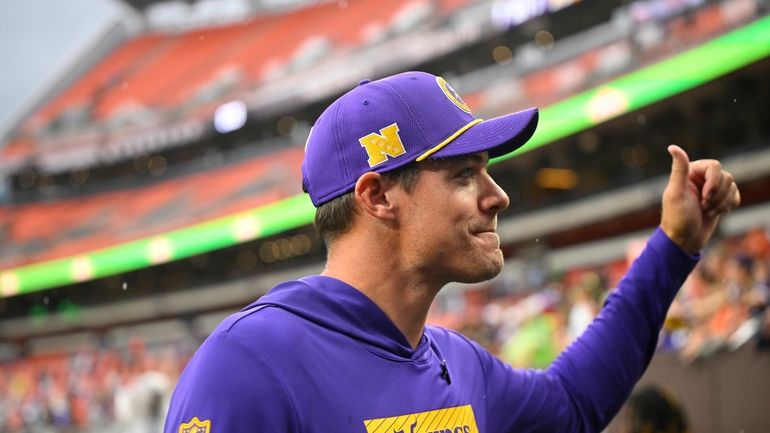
[[466, 172]]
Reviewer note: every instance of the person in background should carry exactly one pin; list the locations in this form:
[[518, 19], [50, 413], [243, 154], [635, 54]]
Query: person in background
[[652, 409]]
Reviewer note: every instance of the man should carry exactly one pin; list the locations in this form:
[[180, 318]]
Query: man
[[398, 171]]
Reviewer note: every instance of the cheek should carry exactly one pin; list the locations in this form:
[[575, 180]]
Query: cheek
[[444, 225]]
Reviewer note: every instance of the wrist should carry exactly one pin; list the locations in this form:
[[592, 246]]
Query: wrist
[[685, 243]]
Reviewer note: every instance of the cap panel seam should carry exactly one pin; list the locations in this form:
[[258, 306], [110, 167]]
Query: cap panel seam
[[340, 146], [415, 120]]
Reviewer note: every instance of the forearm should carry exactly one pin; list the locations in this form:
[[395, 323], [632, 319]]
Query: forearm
[[599, 370]]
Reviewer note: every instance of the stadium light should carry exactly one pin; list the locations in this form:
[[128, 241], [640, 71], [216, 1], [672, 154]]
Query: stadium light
[[230, 116]]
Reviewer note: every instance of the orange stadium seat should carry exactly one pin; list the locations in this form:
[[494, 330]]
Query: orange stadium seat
[[194, 79], [18, 149], [48, 230], [33, 229], [32, 223], [105, 75], [135, 205], [539, 85], [277, 42], [709, 22], [164, 75], [704, 23], [144, 82], [348, 27], [343, 26], [162, 70], [448, 6]]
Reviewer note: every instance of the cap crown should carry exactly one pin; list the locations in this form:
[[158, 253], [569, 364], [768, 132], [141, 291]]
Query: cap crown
[[379, 126]]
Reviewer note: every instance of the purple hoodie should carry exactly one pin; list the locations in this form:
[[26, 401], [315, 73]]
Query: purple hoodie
[[317, 355]]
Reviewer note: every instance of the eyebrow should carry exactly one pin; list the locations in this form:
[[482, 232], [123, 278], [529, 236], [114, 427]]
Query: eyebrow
[[475, 157]]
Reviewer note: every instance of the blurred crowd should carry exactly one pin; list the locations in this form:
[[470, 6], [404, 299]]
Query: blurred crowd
[[722, 306], [110, 391]]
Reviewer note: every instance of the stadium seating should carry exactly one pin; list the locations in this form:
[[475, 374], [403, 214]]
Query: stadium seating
[[583, 69], [48, 230], [152, 65], [104, 76], [167, 71]]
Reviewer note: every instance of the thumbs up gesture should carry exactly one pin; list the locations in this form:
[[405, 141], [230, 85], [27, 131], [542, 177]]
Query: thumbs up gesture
[[697, 194]]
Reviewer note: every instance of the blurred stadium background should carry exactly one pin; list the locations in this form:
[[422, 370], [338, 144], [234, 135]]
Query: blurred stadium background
[[153, 188]]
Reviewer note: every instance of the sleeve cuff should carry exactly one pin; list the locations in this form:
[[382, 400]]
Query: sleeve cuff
[[660, 242]]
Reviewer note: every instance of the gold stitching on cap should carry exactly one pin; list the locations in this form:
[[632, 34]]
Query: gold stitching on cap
[[449, 139]]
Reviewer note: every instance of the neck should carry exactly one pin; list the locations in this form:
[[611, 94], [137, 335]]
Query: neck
[[382, 276]]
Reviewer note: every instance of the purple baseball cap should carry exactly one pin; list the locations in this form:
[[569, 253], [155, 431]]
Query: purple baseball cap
[[385, 124]]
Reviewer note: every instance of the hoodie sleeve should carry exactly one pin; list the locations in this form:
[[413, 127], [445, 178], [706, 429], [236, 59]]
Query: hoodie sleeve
[[229, 386], [590, 380]]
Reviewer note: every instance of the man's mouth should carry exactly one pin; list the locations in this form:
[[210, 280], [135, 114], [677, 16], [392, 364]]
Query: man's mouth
[[485, 229], [489, 235]]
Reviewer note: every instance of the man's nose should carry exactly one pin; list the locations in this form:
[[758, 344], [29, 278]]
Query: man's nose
[[494, 199]]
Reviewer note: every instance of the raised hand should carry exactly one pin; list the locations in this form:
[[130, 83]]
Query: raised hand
[[697, 194]]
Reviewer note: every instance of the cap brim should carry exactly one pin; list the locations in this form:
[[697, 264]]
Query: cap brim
[[498, 136]]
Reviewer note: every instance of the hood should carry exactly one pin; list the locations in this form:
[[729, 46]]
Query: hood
[[339, 307]]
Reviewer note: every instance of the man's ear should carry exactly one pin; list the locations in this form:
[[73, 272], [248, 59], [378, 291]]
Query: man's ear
[[373, 193]]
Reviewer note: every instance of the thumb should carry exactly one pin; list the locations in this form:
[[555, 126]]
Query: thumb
[[680, 167]]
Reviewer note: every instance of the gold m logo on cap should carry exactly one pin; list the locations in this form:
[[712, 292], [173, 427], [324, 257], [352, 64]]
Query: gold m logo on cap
[[383, 145]]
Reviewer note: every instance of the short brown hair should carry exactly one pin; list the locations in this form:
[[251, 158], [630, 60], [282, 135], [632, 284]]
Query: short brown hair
[[335, 217]]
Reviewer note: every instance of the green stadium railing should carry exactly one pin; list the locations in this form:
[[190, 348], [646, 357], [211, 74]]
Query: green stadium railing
[[625, 94]]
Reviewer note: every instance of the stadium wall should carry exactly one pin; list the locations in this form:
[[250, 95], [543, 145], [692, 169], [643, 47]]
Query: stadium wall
[[728, 392]]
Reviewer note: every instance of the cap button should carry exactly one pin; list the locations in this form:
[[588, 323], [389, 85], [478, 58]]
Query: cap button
[[364, 81]]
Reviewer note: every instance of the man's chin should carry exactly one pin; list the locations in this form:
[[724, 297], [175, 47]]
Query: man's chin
[[482, 273]]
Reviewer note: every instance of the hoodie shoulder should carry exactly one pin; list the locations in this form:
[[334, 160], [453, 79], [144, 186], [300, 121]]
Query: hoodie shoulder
[[262, 318], [261, 324], [224, 366]]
